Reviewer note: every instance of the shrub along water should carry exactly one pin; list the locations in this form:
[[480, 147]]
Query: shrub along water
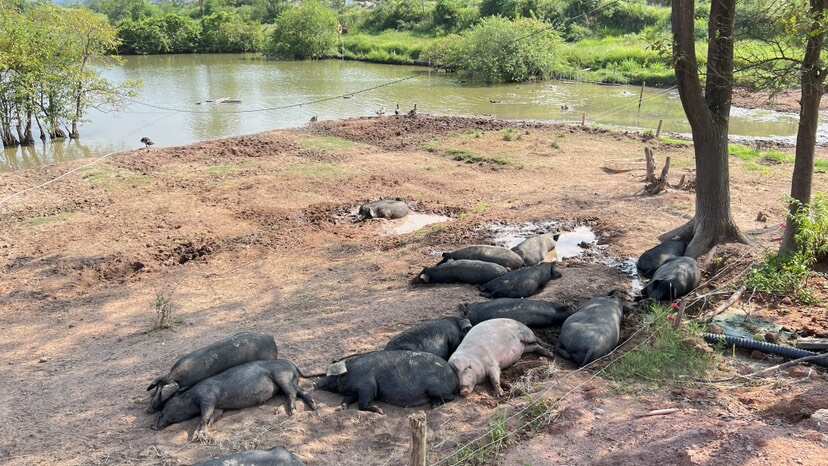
[[305, 31], [496, 51]]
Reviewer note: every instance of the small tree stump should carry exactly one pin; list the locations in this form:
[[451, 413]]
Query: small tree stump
[[419, 439], [649, 159]]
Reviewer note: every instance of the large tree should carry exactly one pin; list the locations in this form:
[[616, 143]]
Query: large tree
[[708, 110], [812, 78]]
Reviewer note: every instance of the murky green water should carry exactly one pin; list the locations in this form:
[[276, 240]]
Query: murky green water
[[180, 81]]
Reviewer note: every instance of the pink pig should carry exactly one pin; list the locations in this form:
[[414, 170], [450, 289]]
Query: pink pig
[[490, 346]]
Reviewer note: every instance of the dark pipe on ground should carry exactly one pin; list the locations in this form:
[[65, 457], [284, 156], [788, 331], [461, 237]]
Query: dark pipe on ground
[[769, 348]]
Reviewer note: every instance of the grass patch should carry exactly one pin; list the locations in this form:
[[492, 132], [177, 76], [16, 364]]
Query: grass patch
[[667, 358], [462, 155], [395, 47], [316, 170], [48, 219], [326, 143], [484, 451], [510, 134], [821, 166], [788, 276], [673, 142], [223, 169], [758, 160], [108, 177]]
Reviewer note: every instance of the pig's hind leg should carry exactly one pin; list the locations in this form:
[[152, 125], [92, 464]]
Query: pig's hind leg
[[538, 349]]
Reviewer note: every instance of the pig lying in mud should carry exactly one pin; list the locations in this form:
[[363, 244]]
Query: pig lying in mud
[[502, 256], [462, 271], [489, 347], [211, 360], [243, 386], [674, 279], [593, 331], [439, 337], [654, 258], [386, 208], [400, 378], [520, 283], [529, 312], [274, 457], [533, 250]]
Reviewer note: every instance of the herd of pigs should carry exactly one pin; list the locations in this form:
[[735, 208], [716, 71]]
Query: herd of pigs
[[432, 361]]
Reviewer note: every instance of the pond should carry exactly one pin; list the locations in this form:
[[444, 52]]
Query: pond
[[180, 82]]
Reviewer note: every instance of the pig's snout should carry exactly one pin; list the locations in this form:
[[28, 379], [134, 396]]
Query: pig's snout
[[465, 391]]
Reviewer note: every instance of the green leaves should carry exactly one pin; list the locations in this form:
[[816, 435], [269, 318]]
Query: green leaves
[[305, 31]]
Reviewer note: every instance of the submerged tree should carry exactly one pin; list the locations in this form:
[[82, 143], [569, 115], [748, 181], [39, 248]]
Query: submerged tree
[[708, 111], [46, 70]]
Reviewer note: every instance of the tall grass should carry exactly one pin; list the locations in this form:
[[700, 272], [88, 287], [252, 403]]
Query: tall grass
[[395, 47]]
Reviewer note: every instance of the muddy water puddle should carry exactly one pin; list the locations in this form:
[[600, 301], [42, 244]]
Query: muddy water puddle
[[576, 242]]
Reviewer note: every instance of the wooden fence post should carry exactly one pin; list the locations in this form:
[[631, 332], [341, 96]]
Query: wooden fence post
[[658, 130], [583, 119], [419, 439], [640, 99]]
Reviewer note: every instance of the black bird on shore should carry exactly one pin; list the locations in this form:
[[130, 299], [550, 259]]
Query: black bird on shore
[[146, 142], [413, 112], [313, 119], [397, 110]]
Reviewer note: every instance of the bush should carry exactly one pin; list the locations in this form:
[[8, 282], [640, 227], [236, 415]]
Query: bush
[[306, 31], [142, 37], [788, 276], [183, 33], [226, 31], [496, 50], [400, 15], [453, 15], [505, 8]]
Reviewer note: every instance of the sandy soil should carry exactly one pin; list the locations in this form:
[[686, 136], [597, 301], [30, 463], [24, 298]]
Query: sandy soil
[[253, 233]]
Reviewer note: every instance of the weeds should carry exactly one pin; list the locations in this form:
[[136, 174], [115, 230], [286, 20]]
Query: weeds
[[484, 451], [554, 145], [539, 414], [788, 276], [164, 310], [755, 158], [673, 142], [510, 134], [668, 356], [461, 155]]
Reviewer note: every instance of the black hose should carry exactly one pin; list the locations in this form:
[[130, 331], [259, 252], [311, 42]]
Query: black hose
[[779, 350]]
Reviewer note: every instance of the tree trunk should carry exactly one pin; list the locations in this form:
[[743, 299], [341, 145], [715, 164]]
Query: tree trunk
[[28, 138], [40, 127], [708, 111], [812, 79]]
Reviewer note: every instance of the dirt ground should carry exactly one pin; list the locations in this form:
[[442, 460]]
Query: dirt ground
[[254, 233], [786, 101]]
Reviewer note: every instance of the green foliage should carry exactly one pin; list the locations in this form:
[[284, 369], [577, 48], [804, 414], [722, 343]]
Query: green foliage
[[788, 276], [170, 33], [305, 31], [387, 47], [400, 15], [756, 159], [226, 31], [669, 355], [453, 15], [493, 51]]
